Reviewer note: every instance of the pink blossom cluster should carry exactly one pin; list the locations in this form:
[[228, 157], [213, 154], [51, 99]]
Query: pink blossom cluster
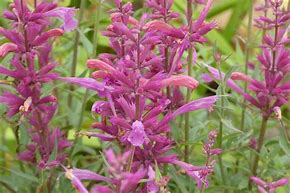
[[30, 43], [140, 85]]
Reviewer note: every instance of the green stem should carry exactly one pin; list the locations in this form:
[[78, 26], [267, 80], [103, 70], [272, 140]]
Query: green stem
[[220, 136], [247, 56], [188, 94], [76, 50], [167, 68], [129, 165], [3, 140], [94, 54], [259, 147]]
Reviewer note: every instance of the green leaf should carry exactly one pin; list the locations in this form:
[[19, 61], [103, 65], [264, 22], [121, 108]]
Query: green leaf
[[236, 19], [53, 154], [64, 2], [221, 7], [179, 6], [230, 126], [23, 135], [158, 174], [283, 140], [86, 42], [26, 175], [221, 42]]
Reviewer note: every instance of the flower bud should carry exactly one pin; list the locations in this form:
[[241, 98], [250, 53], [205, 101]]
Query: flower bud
[[6, 48]]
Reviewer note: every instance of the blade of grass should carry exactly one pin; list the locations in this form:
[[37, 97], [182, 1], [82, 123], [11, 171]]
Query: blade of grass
[[221, 7], [236, 19], [221, 42]]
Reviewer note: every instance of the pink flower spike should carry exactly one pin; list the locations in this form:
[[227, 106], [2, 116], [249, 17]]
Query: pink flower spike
[[180, 80], [6, 48], [95, 63], [240, 76]]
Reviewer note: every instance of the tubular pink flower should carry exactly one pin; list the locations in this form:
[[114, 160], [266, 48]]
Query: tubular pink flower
[[85, 82], [258, 181], [66, 15], [6, 48], [137, 136], [45, 36], [157, 25], [279, 183], [240, 76], [98, 64], [270, 187], [180, 80], [100, 74], [204, 12]]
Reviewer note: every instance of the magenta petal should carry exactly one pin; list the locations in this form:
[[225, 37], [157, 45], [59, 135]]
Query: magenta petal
[[281, 182], [6, 48], [203, 103], [101, 189], [89, 175], [85, 82], [258, 181], [152, 187], [137, 136], [66, 15]]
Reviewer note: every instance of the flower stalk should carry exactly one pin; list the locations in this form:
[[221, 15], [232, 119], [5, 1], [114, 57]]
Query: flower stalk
[[222, 113], [188, 92], [94, 54], [76, 51], [259, 147], [247, 57]]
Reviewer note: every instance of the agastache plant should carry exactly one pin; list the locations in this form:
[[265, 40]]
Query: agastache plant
[[30, 43], [271, 92], [137, 84]]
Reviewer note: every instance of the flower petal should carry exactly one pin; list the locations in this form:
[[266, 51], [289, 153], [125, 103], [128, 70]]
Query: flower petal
[[137, 136]]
